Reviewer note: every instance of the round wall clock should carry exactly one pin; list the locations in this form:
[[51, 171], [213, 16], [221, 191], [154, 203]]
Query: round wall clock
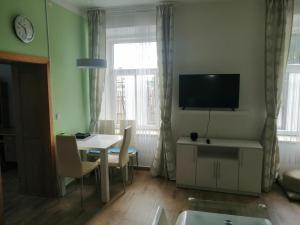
[[23, 29]]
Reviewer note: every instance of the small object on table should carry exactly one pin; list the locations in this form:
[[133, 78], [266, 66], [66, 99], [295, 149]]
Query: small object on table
[[82, 135]]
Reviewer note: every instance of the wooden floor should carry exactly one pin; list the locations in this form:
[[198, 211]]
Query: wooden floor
[[136, 207]]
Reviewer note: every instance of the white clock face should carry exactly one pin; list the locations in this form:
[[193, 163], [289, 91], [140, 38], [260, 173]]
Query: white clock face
[[24, 29]]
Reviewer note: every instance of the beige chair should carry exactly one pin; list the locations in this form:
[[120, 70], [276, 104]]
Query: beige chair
[[121, 160], [69, 162], [132, 150], [107, 127]]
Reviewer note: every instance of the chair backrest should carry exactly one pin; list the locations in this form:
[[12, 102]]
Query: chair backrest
[[126, 123], [69, 162], [123, 156], [107, 127]]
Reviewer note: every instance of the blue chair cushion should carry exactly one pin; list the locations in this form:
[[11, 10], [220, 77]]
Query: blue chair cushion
[[94, 152], [116, 150]]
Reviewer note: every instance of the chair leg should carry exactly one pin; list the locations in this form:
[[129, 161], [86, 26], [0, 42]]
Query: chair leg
[[123, 178], [131, 162], [137, 159], [81, 196], [110, 173], [96, 179], [99, 176]]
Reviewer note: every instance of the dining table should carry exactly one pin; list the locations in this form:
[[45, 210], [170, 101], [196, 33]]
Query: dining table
[[101, 142]]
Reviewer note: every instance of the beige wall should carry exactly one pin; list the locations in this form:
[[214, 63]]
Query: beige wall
[[222, 37]]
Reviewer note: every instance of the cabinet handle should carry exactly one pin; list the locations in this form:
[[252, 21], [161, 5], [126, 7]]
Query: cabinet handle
[[218, 170], [215, 170], [241, 158]]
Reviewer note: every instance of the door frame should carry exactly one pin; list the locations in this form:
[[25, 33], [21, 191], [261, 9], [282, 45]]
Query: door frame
[[23, 58]]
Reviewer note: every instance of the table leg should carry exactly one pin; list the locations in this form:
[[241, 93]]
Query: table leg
[[104, 176], [126, 173], [62, 186]]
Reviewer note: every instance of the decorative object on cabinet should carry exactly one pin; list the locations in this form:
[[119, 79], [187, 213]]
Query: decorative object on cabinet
[[194, 136]]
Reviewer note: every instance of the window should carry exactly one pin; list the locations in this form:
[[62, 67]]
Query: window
[[289, 115], [135, 69], [131, 83], [131, 90]]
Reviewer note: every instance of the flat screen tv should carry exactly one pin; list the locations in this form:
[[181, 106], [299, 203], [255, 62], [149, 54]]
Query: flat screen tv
[[209, 91]]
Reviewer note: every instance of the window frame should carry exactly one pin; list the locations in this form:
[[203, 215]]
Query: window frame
[[111, 41]]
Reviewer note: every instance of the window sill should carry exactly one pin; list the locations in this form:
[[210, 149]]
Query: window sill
[[288, 139], [148, 133]]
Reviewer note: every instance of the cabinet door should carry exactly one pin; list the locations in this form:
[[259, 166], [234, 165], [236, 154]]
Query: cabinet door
[[186, 164], [227, 174], [250, 170], [206, 172], [10, 149]]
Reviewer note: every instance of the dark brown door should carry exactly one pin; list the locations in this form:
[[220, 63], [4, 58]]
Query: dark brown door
[[36, 165], [1, 201]]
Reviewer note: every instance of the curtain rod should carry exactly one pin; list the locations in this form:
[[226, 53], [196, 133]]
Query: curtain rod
[[136, 8]]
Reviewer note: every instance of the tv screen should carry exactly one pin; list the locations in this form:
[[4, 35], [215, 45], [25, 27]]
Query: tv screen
[[209, 90]]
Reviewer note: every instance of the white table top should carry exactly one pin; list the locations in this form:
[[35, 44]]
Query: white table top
[[98, 141]]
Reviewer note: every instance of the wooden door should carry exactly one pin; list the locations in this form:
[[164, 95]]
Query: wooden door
[[186, 164], [206, 172], [1, 201], [250, 170], [227, 174], [36, 159]]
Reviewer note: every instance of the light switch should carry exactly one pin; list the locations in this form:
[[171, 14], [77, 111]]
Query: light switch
[[57, 116]]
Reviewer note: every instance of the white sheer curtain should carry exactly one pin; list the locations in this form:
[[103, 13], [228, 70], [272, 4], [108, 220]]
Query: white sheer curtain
[[131, 91], [289, 116]]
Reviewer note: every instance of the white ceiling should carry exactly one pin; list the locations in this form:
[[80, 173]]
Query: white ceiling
[[83, 4]]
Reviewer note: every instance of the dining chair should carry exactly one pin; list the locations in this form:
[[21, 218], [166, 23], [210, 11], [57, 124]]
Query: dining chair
[[69, 161], [121, 160], [105, 127], [132, 151]]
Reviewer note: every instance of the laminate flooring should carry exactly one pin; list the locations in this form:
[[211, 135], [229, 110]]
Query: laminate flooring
[[136, 206]]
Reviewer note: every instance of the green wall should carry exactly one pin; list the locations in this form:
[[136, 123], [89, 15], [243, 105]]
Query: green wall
[[67, 41]]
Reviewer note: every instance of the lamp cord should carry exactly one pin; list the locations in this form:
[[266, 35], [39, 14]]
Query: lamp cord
[[208, 122]]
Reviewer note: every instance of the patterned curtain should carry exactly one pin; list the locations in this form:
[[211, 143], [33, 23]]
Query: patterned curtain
[[97, 50], [164, 159], [279, 18]]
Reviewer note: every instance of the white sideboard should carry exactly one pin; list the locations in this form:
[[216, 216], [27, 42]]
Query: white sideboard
[[224, 165]]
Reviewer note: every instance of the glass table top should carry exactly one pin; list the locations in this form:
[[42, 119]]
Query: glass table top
[[257, 208]]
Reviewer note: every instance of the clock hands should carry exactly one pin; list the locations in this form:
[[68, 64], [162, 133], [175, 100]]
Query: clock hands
[[23, 27]]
